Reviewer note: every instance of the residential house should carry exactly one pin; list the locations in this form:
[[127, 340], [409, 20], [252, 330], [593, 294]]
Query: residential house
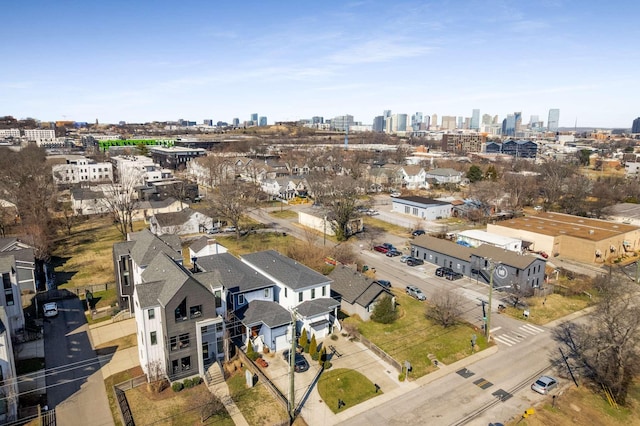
[[285, 188], [131, 257], [384, 177], [414, 177], [320, 221], [10, 298], [180, 331], [86, 201], [443, 176], [146, 209], [300, 289], [24, 263], [184, 222], [421, 207], [8, 376], [357, 293], [205, 246]]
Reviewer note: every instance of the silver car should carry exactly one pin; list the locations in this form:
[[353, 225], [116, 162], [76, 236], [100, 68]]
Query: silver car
[[544, 384], [415, 292]]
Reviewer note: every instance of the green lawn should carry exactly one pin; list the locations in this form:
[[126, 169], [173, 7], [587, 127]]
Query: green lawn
[[386, 226], [256, 404], [284, 214], [546, 309], [412, 337], [251, 243], [350, 386]]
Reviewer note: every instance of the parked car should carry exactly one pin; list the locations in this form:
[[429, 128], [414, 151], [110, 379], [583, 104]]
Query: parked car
[[413, 261], [415, 292], [213, 230], [50, 309], [300, 363], [452, 276], [393, 252], [373, 212], [381, 249], [387, 245], [229, 229], [384, 283], [404, 258], [418, 232], [544, 384], [440, 272], [262, 362], [395, 194]]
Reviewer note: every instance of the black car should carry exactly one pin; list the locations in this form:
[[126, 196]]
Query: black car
[[442, 271], [452, 276], [393, 252], [300, 364], [418, 232], [384, 283], [413, 261]]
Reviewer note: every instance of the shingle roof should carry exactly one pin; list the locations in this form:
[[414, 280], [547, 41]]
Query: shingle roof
[[199, 244], [148, 293], [262, 311], [235, 275], [506, 257], [289, 272], [163, 268], [148, 245], [353, 286], [173, 218], [311, 308], [6, 263], [444, 172]]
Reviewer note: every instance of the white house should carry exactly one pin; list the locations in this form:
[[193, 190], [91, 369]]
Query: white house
[[79, 169], [184, 222], [476, 237], [9, 391], [205, 246], [442, 176], [414, 177]]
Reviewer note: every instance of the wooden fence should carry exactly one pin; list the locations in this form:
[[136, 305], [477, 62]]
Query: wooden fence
[[380, 353], [121, 398]]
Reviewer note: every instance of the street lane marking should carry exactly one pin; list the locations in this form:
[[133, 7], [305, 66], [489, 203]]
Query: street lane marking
[[533, 333], [483, 383], [495, 329], [502, 341], [533, 327]]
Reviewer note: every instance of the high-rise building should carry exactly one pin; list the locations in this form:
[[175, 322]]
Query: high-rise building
[[448, 122], [460, 123], [378, 124], [486, 118], [518, 118], [254, 119], [416, 120], [635, 127], [341, 122], [317, 120], [207, 122], [475, 120], [263, 121], [533, 119], [509, 125], [554, 118], [427, 121], [434, 121], [236, 122]]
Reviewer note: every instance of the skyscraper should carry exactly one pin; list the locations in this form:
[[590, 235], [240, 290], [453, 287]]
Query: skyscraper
[[509, 125], [378, 123], [475, 120], [518, 124], [263, 121], [254, 118], [554, 118], [635, 128], [434, 121]]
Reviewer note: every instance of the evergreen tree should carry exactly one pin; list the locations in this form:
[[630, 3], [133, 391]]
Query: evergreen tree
[[384, 312], [303, 340], [313, 348], [474, 174], [323, 355]]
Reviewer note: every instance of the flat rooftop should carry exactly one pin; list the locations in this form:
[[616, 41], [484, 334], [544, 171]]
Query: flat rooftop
[[556, 224], [488, 237]]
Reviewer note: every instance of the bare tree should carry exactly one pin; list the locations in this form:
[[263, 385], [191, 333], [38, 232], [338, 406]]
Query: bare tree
[[445, 307], [606, 348], [343, 206], [231, 201], [209, 404], [121, 200], [521, 189]]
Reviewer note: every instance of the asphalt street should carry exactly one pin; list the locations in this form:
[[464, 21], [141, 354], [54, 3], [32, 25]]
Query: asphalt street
[[75, 386]]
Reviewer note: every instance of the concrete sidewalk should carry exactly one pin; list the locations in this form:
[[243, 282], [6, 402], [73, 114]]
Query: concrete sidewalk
[[103, 332]]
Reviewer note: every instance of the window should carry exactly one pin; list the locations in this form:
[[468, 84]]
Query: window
[[195, 311], [186, 363], [183, 341], [154, 338], [181, 311], [324, 291], [174, 343], [151, 313], [300, 297], [415, 211], [266, 293], [241, 299], [313, 293], [218, 296], [407, 209], [285, 292]]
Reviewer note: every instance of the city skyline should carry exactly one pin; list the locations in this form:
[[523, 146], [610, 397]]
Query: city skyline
[[152, 61]]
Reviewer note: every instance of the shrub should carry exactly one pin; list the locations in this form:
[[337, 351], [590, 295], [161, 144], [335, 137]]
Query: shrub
[[177, 387], [334, 337], [401, 377], [188, 383], [384, 312], [323, 355], [252, 354], [197, 380]]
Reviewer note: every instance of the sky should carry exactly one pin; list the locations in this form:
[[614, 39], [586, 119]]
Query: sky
[[140, 61]]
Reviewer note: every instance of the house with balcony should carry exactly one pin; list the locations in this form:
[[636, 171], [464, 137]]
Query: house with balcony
[[179, 318]]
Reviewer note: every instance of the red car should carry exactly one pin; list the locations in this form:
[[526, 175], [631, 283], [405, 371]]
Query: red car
[[262, 363], [381, 249]]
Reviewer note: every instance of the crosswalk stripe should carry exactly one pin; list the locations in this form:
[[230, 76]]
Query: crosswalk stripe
[[502, 341], [533, 327], [533, 333], [510, 338], [495, 329]]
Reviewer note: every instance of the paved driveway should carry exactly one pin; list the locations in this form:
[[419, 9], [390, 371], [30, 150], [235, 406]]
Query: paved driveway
[[75, 386]]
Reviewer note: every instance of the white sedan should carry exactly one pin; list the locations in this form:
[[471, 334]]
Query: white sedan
[[50, 309]]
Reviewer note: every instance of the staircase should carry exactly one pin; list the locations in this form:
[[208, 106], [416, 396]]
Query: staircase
[[214, 375]]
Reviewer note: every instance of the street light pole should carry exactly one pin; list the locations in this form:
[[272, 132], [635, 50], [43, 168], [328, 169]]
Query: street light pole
[[324, 234], [487, 326]]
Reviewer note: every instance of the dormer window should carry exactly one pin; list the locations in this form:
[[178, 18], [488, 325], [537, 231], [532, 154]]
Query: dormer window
[[267, 293], [241, 300]]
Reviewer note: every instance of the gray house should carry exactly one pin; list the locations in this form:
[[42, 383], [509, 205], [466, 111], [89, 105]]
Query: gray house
[[357, 293], [513, 271], [131, 257]]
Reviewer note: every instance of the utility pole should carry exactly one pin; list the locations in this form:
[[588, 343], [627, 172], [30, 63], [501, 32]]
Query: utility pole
[[292, 363], [487, 326]]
